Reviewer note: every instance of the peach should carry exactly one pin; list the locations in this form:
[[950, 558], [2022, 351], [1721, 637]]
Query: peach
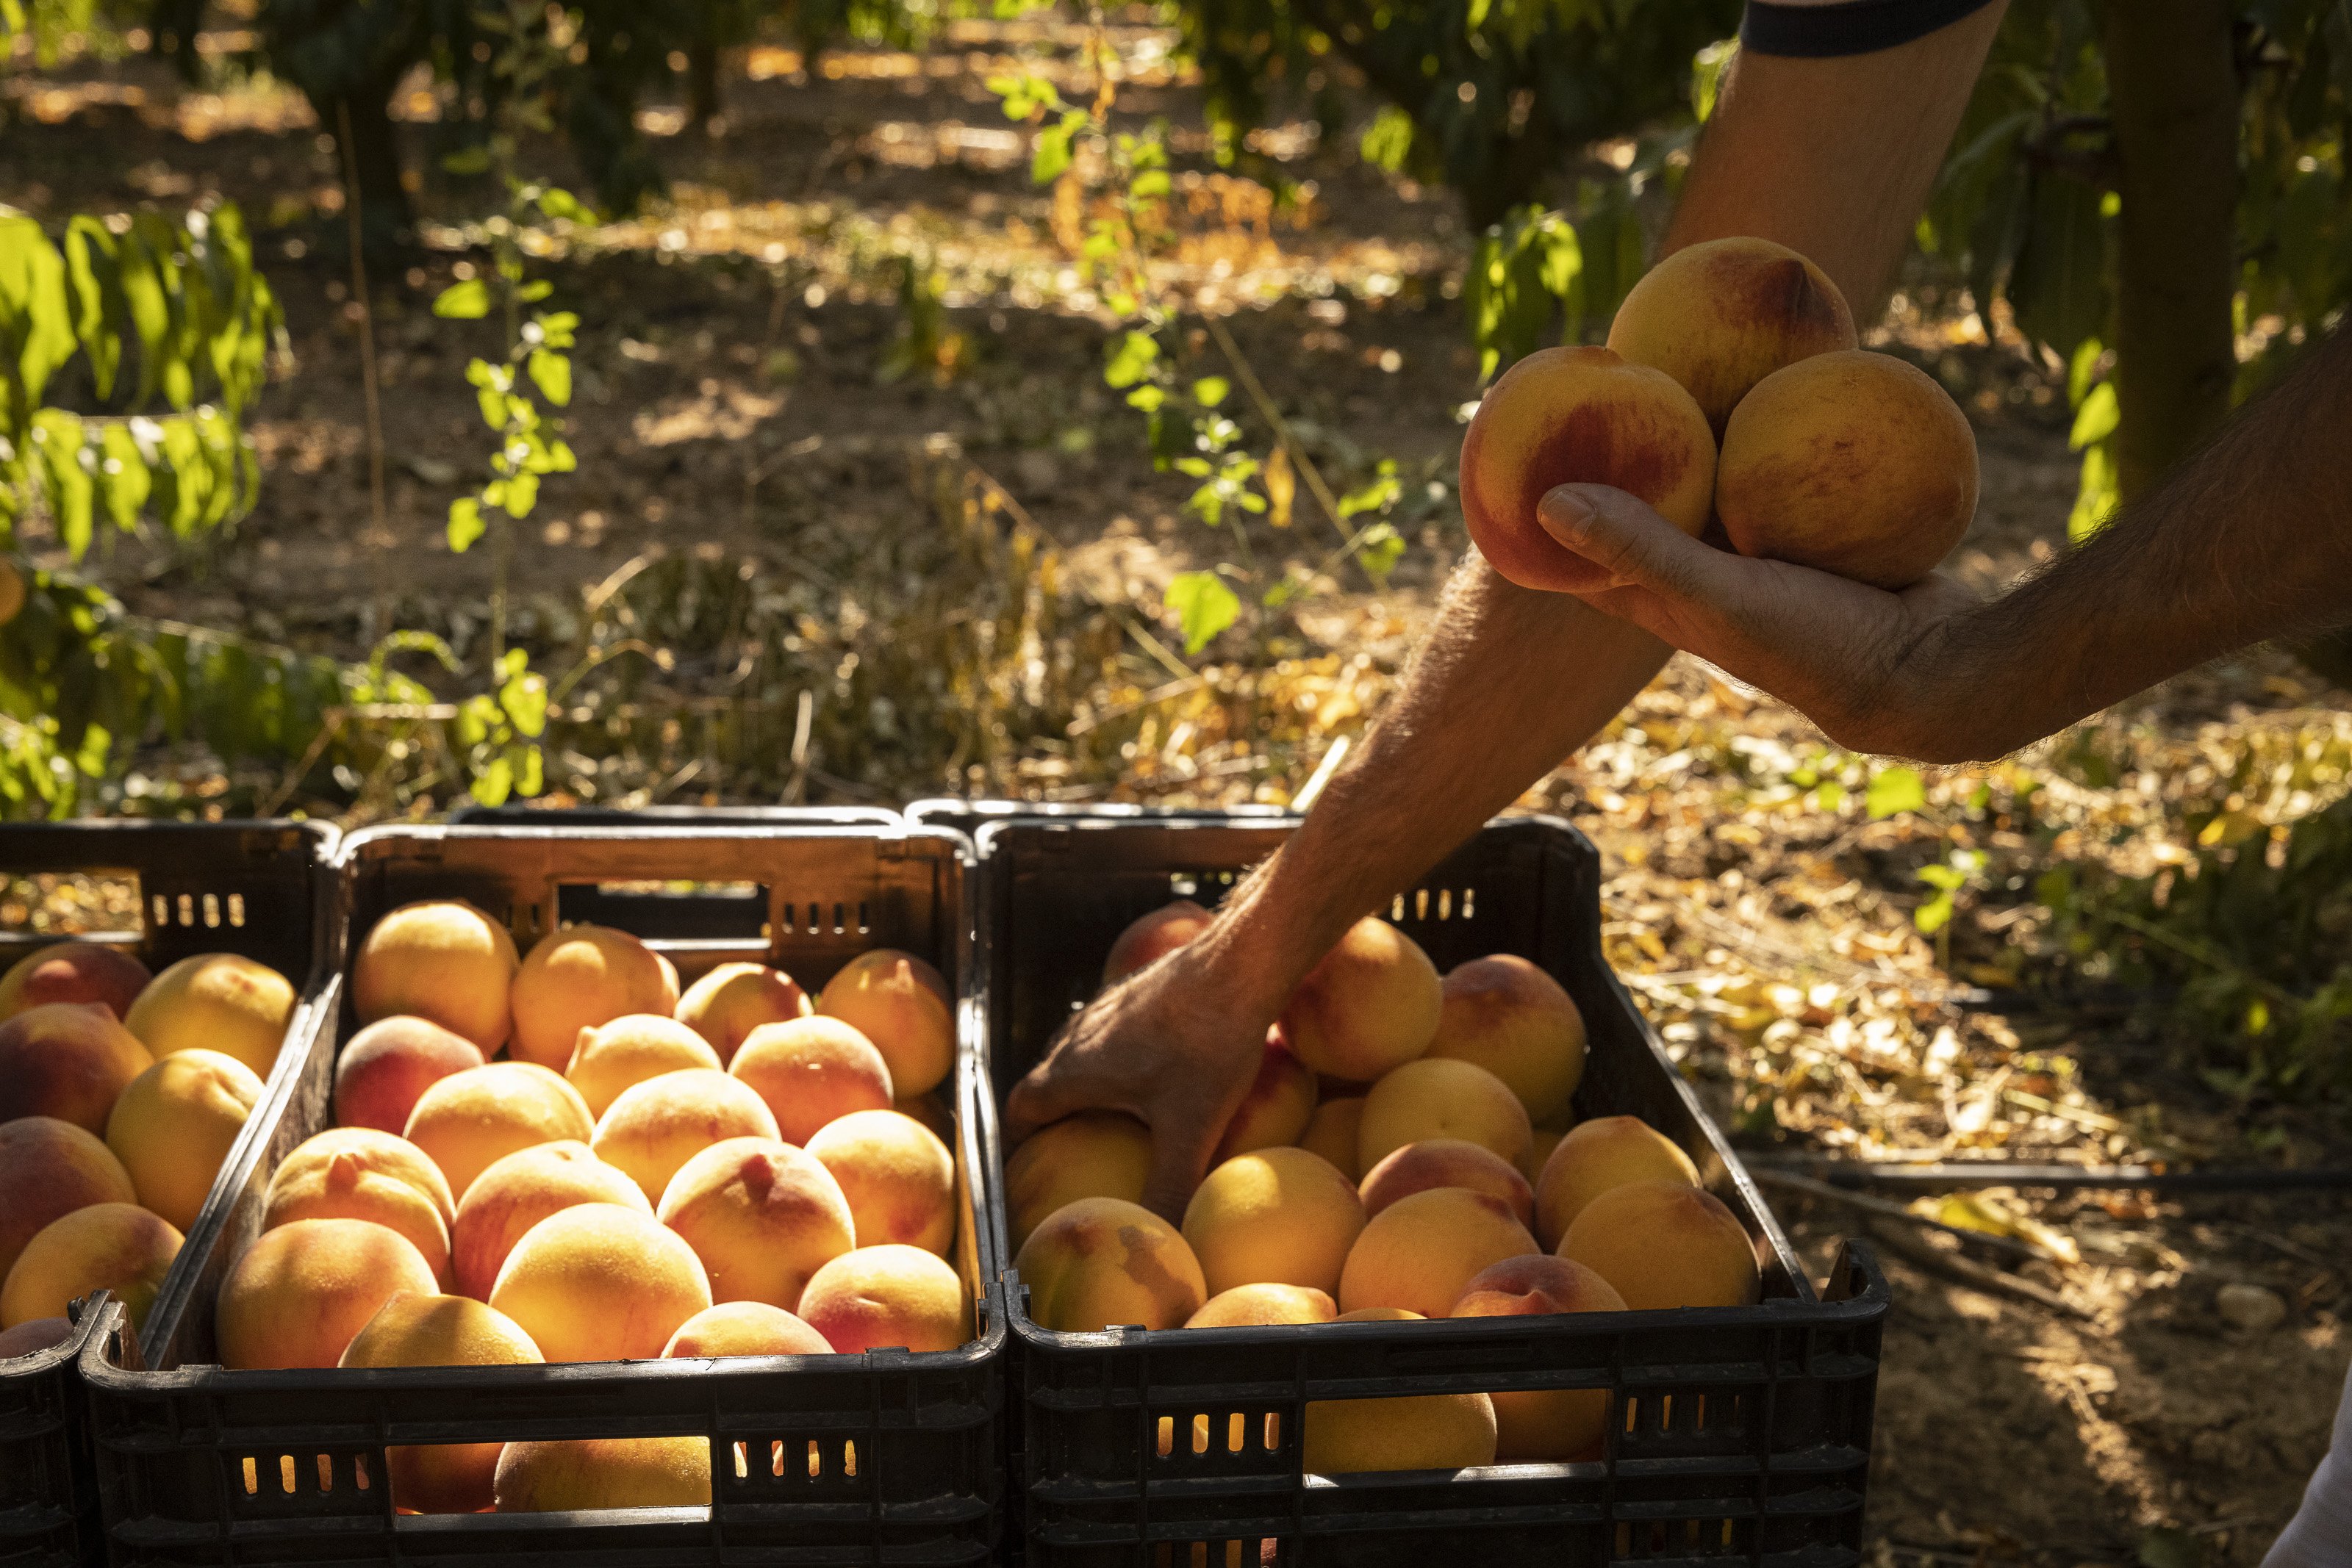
[[1419, 1251], [516, 1192], [1248, 1306], [1370, 1004], [1665, 1244], [1407, 1432], [33, 1336], [1565, 416], [762, 1216], [383, 1153], [930, 1109], [577, 978], [469, 1119], [117, 1247], [1544, 1426], [1102, 1260], [442, 960], [215, 1001], [1280, 1101], [1540, 1144], [1596, 1155], [349, 1186], [441, 1331], [66, 1059], [73, 972], [811, 1071], [887, 1295], [601, 1282], [173, 1125], [557, 1477], [744, 1328], [1332, 1131], [1277, 1215], [1507, 1016], [623, 1054], [733, 999], [388, 1064], [655, 1127], [1095, 1153], [1441, 1097], [899, 1177], [48, 1168], [1853, 463], [300, 1293], [1446, 1162], [902, 1005], [1720, 316], [1153, 937]]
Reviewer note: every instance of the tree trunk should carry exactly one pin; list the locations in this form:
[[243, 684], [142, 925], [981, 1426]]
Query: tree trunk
[[374, 156], [2173, 88], [703, 105]]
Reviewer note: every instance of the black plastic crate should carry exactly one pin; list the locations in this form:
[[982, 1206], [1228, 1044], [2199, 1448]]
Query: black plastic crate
[[266, 890], [971, 816], [1741, 1434], [520, 816], [896, 1457]]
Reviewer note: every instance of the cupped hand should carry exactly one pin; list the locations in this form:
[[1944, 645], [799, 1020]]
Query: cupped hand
[[1846, 655]]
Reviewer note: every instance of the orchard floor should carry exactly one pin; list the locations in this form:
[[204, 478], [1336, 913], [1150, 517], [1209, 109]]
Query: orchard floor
[[733, 411]]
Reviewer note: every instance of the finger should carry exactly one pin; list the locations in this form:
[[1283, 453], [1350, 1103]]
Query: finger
[[1938, 594], [1620, 532], [1048, 1092], [1180, 1158]]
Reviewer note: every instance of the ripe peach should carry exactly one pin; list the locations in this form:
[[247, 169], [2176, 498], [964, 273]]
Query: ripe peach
[[48, 1168], [1665, 1244], [302, 1293], [1101, 1261], [1596, 1155], [762, 1216], [744, 1328], [1548, 1425], [887, 1295], [655, 1127], [1854, 463], [810, 1070], [385, 1066], [33, 1336], [1332, 1131], [1720, 316], [1446, 1162], [557, 1477], [383, 1152], [1277, 1215], [1247, 1306], [1507, 1016], [1276, 1111], [733, 999], [66, 1059], [1409, 1432], [470, 1118], [899, 1177], [73, 972], [599, 1281], [441, 1331], [215, 1001], [1154, 937], [1441, 1097], [1563, 416], [1540, 1145], [1419, 1251], [117, 1247], [1095, 1153], [626, 1051], [516, 1192], [442, 960], [930, 1109], [349, 1186], [1370, 1005], [902, 1005], [577, 978], [173, 1125]]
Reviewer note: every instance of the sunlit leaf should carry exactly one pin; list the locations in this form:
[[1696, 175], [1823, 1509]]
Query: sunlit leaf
[[1894, 791], [1205, 606], [552, 374], [466, 302], [465, 522]]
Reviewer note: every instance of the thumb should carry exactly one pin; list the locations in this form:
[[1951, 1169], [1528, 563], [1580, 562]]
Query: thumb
[[1622, 533], [1044, 1095]]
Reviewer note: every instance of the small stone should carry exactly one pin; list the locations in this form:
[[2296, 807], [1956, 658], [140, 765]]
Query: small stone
[[2249, 1308]]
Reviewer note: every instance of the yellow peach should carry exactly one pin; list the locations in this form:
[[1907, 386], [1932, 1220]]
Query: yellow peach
[[1095, 1153], [899, 1177], [516, 1192], [66, 1059], [300, 1293], [744, 1328], [173, 1125], [1370, 1004], [730, 1001], [1665, 1244], [441, 1331], [469, 1119], [1253, 1306], [1596, 1155], [1441, 1097], [560, 1476], [1507, 1016], [442, 960], [1279, 1215], [887, 1295], [1101, 1261], [903, 1006], [626, 1051], [577, 978], [812, 1070], [1419, 1251], [599, 1281], [117, 1247], [762, 1216]]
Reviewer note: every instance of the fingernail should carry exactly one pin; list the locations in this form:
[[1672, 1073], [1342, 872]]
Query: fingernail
[[1564, 514]]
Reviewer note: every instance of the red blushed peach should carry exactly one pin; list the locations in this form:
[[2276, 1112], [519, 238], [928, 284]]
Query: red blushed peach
[[1370, 1004], [1101, 1261], [1510, 1018], [1447, 1162], [1566, 416], [1153, 937], [902, 1005], [73, 972], [1722, 315], [48, 1168], [727, 1004], [66, 1059], [1547, 1426], [1275, 1111], [812, 1072], [388, 1064]]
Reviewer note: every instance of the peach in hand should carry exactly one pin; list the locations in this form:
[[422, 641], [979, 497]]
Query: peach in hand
[[1720, 316], [1153, 937]]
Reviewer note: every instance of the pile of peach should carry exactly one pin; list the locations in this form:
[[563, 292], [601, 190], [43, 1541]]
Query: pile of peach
[[727, 1170], [1406, 1152], [119, 1096]]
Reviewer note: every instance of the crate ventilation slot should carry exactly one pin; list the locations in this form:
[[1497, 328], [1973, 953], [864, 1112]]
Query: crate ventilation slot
[[1232, 1432], [783, 1458], [1679, 1540], [283, 1474], [1192, 884], [1435, 903], [821, 918], [1246, 1553], [1690, 1416], [193, 911]]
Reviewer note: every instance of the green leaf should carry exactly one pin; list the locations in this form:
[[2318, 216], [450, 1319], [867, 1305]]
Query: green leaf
[[98, 314], [1894, 791], [1380, 548], [2059, 284], [521, 493], [58, 443], [1933, 915], [2096, 419], [1205, 606], [564, 207], [1052, 154], [1210, 391], [494, 783], [1147, 398], [552, 374], [2081, 369], [34, 315], [123, 479], [1131, 360], [465, 524], [1388, 142], [474, 159], [2097, 495], [464, 301], [1152, 182], [524, 697]]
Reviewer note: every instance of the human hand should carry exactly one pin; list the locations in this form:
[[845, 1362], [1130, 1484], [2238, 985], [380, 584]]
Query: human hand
[[1858, 661]]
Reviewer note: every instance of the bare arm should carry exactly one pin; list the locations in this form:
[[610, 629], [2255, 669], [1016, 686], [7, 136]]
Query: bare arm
[[1511, 682]]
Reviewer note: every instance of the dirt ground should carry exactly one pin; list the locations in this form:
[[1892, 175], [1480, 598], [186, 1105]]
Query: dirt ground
[[731, 410]]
